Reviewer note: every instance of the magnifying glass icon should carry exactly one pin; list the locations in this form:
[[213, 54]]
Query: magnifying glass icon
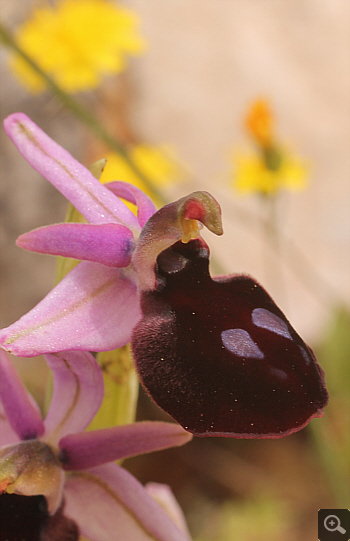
[[332, 524]]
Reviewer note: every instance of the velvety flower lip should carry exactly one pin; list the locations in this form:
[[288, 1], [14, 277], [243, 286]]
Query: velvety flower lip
[[219, 356], [35, 522], [35, 466]]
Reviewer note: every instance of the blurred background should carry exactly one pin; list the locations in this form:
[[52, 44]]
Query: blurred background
[[186, 89]]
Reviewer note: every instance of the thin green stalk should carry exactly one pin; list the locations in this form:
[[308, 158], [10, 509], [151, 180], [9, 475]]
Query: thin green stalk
[[299, 263], [334, 463], [272, 229], [79, 111]]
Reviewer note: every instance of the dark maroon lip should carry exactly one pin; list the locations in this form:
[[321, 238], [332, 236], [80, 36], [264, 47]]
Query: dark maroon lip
[[27, 518], [219, 356]]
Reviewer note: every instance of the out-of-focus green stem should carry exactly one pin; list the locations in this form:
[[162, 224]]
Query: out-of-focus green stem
[[333, 458], [120, 378], [331, 434], [79, 111], [121, 389]]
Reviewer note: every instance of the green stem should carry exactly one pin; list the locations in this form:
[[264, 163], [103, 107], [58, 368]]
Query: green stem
[[334, 463], [79, 111], [273, 237]]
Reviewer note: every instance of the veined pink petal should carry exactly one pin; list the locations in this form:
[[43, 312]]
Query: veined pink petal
[[77, 393], [145, 206], [70, 177], [109, 244], [21, 410], [7, 435], [94, 308], [117, 506], [88, 449], [164, 495]]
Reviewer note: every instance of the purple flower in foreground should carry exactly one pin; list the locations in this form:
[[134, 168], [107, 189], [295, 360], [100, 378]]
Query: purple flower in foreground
[[217, 354], [74, 470]]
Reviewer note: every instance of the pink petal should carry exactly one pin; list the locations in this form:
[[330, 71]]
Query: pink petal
[[77, 393], [94, 308], [72, 179], [21, 410], [145, 206], [7, 435], [88, 449], [117, 507], [164, 495], [109, 244]]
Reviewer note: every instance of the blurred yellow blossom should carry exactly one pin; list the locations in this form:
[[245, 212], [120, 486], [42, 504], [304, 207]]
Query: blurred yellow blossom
[[77, 42], [157, 163], [271, 167], [252, 175]]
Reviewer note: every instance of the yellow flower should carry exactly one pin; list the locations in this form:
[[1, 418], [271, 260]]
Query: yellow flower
[[252, 174], [77, 42], [272, 167], [259, 122], [157, 163]]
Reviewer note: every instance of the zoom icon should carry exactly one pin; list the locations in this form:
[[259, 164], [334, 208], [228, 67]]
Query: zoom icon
[[333, 524]]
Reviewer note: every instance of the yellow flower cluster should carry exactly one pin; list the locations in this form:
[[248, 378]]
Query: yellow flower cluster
[[252, 175], [272, 167], [77, 42], [157, 163]]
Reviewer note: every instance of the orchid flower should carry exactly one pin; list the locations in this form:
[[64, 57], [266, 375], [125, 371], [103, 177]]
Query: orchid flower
[[72, 469], [217, 354]]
